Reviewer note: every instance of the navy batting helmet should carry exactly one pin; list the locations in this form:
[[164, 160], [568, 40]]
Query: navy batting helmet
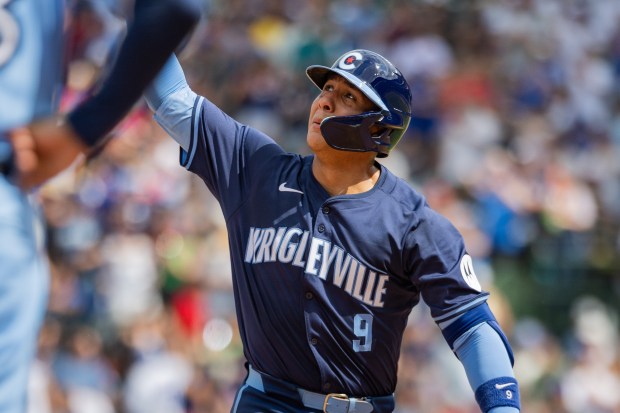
[[384, 85]]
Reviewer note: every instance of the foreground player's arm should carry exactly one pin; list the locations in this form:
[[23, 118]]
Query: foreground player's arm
[[157, 28], [482, 348], [155, 32]]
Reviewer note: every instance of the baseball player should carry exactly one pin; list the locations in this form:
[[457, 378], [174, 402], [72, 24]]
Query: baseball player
[[31, 73], [330, 252]]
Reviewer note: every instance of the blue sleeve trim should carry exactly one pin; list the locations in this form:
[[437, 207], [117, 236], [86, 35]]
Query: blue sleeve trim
[[475, 316], [501, 391], [186, 157], [471, 318], [449, 316]]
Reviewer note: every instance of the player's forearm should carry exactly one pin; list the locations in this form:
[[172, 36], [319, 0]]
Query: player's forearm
[[489, 370], [157, 28]]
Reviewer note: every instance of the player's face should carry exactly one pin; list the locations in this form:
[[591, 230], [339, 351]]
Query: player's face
[[338, 98]]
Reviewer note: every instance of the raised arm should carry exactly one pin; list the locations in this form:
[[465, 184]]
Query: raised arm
[[155, 31], [172, 100]]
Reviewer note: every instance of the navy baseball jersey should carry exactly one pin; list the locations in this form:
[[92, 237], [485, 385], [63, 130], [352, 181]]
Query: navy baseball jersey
[[323, 284]]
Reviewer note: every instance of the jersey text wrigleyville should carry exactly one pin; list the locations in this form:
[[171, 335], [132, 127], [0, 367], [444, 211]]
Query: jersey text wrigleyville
[[291, 245]]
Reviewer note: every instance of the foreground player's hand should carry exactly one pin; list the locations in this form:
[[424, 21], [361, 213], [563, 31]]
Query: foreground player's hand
[[24, 155], [43, 149]]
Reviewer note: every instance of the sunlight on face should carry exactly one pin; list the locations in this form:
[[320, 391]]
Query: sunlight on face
[[337, 98]]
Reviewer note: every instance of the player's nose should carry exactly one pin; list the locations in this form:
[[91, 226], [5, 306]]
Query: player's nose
[[325, 101]]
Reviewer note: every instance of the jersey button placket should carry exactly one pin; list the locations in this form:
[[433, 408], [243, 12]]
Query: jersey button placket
[[325, 211]]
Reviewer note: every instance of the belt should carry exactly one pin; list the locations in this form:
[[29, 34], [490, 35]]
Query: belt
[[328, 403]]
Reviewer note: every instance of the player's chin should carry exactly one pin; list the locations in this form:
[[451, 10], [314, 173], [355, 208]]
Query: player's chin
[[315, 140]]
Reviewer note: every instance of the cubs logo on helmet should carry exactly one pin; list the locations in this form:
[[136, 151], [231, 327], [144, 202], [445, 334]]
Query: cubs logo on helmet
[[348, 61]]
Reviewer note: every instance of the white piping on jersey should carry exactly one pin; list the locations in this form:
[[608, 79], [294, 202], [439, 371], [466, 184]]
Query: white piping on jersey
[[285, 215], [194, 139], [446, 319], [238, 397]]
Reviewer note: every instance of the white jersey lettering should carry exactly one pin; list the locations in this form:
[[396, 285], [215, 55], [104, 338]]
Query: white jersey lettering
[[314, 255], [252, 245], [301, 250], [370, 284], [318, 257], [263, 252], [340, 269], [379, 291], [287, 250], [276, 243], [353, 269], [330, 252]]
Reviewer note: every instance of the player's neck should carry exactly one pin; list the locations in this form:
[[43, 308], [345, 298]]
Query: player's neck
[[345, 176]]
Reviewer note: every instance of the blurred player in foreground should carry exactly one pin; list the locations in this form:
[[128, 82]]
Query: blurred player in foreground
[[31, 73], [330, 252]]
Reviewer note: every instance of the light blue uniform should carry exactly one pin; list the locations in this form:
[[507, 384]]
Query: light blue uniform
[[31, 68], [31, 43]]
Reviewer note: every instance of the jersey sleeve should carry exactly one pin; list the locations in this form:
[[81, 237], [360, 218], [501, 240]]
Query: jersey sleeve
[[227, 155], [441, 269]]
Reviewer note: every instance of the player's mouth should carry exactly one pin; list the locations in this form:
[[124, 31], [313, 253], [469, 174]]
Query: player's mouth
[[316, 123]]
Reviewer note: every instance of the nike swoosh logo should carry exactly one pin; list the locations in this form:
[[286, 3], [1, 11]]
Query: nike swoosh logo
[[284, 188], [501, 386]]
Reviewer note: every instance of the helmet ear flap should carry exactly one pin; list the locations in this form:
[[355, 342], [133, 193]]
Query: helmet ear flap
[[353, 133]]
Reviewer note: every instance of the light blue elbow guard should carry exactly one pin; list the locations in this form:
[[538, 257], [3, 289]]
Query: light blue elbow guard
[[501, 391]]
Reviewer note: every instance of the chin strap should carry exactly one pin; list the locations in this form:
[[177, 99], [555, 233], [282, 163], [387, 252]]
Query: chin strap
[[352, 133]]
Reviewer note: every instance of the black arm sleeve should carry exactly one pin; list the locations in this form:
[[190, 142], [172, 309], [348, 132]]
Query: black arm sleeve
[[157, 28]]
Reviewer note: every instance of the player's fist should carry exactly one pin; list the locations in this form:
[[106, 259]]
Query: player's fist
[[24, 155], [43, 149]]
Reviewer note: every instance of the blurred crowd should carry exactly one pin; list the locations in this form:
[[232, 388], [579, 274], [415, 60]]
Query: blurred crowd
[[515, 138]]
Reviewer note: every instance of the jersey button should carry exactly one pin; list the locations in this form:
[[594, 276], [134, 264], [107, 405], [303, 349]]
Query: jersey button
[[327, 386], [321, 228], [309, 296], [326, 210], [314, 341]]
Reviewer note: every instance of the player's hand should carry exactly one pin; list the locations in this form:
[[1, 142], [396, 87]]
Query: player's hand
[[24, 155], [43, 149]]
